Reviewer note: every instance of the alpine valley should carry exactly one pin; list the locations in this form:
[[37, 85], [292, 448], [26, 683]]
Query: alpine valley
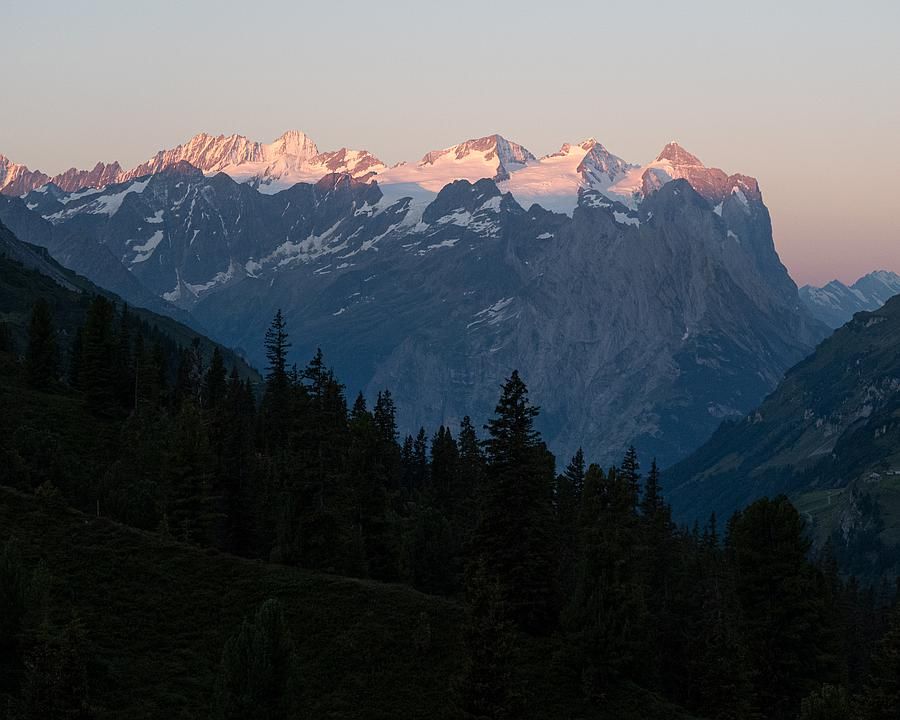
[[643, 303]]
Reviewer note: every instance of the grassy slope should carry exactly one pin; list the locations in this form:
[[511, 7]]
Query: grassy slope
[[158, 614]]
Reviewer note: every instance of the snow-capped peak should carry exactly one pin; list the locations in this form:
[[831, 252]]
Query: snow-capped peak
[[678, 156], [494, 150], [295, 143]]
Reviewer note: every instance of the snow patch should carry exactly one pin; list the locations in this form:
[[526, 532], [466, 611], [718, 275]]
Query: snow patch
[[145, 251]]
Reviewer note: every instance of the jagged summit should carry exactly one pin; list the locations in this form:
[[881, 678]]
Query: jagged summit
[[486, 149], [553, 181], [677, 155], [293, 142]]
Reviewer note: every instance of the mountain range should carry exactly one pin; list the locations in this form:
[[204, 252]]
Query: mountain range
[[836, 303], [642, 303], [553, 181]]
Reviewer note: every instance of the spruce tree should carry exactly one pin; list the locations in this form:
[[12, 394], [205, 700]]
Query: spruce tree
[[275, 415], [444, 472], [567, 499], [97, 373], [881, 697], [830, 702], [191, 505], [215, 382], [489, 687], [76, 352], [258, 673], [605, 618], [277, 346], [42, 355], [7, 342], [55, 686], [630, 474], [471, 460], [13, 599], [516, 529], [782, 601]]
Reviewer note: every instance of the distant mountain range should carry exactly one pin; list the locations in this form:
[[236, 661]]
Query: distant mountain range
[[552, 181], [836, 303], [646, 310]]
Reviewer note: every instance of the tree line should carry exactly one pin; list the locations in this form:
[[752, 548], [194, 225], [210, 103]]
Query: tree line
[[740, 622]]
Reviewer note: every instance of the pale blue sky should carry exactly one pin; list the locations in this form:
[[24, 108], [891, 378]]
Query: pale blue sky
[[803, 95]]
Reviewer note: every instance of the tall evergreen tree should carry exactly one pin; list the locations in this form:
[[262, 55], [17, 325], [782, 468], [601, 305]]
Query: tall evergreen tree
[[489, 687], [55, 686], [471, 460], [215, 382], [630, 474], [97, 374], [605, 617], [881, 697], [277, 346], [784, 618], [275, 414], [516, 530], [567, 499], [42, 355], [258, 674]]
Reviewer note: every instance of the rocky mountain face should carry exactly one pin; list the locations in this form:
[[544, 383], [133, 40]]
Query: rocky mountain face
[[835, 303], [645, 316], [17, 179], [829, 436]]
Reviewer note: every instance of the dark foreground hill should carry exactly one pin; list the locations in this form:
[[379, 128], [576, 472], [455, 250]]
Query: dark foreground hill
[[158, 613]]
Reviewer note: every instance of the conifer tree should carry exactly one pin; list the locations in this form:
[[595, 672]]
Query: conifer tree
[[784, 618], [13, 596], [215, 382], [567, 499], [516, 530], [123, 360], [830, 702], [471, 460], [630, 474], [7, 343], [191, 504], [55, 686], [489, 687], [605, 618], [420, 460], [277, 346], [276, 403], [370, 507], [76, 352], [881, 696], [444, 475], [42, 356], [258, 674], [97, 374]]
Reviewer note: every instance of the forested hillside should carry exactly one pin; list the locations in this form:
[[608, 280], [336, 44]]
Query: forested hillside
[[566, 595]]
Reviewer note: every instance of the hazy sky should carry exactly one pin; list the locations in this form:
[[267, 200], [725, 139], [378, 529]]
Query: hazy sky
[[803, 95]]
